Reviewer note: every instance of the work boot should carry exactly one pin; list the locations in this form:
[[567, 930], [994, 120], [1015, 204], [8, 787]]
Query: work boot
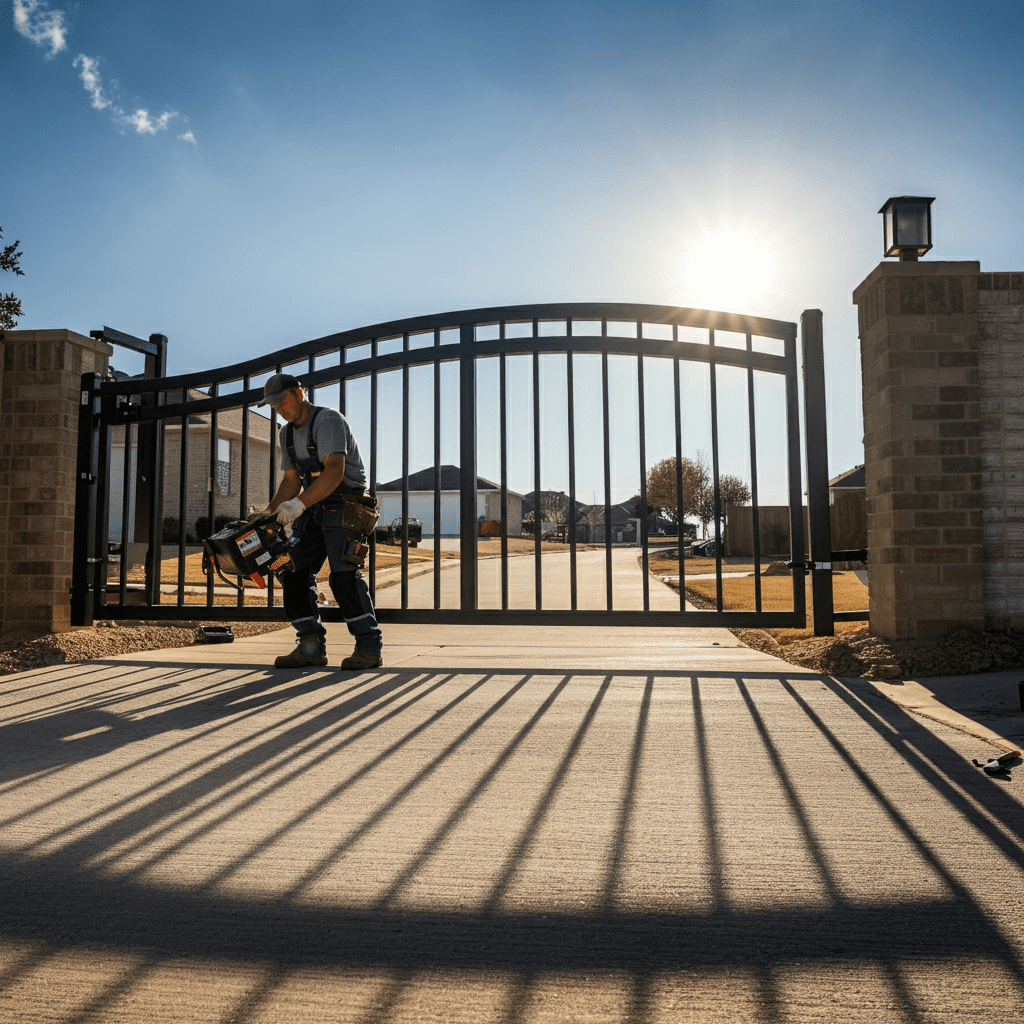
[[300, 659], [362, 659]]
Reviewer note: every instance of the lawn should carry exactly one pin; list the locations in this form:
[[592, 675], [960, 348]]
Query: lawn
[[848, 593], [387, 556], [254, 598]]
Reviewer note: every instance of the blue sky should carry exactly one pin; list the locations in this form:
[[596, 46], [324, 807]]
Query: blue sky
[[302, 169]]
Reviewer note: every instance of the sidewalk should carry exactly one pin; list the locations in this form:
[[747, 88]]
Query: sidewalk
[[985, 706], [417, 647], [520, 824]]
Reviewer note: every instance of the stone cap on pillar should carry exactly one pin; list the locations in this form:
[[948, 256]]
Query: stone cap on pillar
[[915, 289], [60, 334], [920, 268]]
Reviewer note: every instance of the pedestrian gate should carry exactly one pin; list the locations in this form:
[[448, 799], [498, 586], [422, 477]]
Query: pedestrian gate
[[524, 439]]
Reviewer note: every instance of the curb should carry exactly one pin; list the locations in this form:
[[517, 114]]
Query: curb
[[913, 697]]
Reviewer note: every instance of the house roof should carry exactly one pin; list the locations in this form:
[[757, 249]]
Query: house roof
[[594, 514], [451, 480], [229, 421], [851, 478], [530, 499]]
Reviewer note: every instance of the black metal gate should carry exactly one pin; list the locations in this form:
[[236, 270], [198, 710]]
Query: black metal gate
[[464, 410]]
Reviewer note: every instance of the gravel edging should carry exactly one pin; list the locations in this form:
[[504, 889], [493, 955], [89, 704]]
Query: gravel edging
[[106, 639], [963, 651]]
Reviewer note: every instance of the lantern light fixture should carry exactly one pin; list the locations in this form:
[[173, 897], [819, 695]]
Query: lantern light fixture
[[907, 226]]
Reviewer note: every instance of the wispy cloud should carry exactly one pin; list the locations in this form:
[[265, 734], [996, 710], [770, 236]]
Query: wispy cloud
[[45, 27], [92, 81], [140, 121], [143, 123], [35, 21]]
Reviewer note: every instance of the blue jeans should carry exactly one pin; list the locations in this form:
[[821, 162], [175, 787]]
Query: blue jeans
[[317, 545]]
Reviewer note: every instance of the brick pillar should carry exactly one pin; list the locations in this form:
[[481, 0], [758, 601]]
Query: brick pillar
[[918, 326], [1001, 334], [38, 439]]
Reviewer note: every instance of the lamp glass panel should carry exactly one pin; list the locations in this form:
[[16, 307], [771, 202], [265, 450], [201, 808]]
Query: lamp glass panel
[[912, 225], [888, 231]]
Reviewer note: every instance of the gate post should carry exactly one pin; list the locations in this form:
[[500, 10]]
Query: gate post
[[85, 498], [149, 499], [818, 514]]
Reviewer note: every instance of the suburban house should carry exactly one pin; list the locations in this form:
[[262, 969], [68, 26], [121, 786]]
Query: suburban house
[[421, 502], [224, 478], [850, 482], [589, 519], [554, 513], [624, 524]]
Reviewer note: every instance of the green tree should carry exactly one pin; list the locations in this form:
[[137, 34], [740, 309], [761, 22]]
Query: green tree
[[10, 307]]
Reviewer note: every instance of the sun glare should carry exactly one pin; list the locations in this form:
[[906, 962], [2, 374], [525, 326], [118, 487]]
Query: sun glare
[[731, 269]]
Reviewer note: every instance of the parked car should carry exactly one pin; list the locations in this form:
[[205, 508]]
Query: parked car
[[393, 534], [704, 548]]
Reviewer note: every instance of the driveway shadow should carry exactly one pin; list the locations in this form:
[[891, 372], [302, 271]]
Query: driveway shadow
[[605, 827]]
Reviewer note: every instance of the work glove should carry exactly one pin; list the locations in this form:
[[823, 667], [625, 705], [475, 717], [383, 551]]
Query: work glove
[[289, 511]]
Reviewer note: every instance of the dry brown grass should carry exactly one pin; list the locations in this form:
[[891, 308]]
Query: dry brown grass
[[254, 598], [387, 556], [848, 593], [524, 546], [660, 566], [424, 550]]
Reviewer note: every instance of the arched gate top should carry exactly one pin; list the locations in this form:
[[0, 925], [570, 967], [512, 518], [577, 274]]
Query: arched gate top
[[467, 320]]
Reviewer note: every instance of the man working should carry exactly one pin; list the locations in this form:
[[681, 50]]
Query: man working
[[320, 458]]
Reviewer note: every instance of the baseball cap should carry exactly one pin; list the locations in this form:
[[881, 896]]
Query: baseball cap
[[276, 387]]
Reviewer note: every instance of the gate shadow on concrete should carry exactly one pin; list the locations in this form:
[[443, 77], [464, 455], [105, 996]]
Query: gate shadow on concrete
[[640, 838]]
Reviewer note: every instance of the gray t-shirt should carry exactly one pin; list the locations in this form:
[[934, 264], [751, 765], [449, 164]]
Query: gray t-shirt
[[331, 433]]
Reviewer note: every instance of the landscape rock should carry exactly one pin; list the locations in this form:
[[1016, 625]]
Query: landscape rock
[[963, 651], [106, 639]]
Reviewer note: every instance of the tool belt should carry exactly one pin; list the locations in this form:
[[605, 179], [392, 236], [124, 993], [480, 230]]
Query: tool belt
[[354, 517]]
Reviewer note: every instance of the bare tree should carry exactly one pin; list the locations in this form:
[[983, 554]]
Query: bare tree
[[551, 507], [703, 508], [554, 507], [10, 307], [733, 490], [663, 486]]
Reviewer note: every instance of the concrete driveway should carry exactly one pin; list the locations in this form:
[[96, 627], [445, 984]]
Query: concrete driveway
[[627, 582], [499, 825]]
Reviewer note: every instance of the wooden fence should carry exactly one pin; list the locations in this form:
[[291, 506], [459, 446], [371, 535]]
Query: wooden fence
[[849, 527]]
